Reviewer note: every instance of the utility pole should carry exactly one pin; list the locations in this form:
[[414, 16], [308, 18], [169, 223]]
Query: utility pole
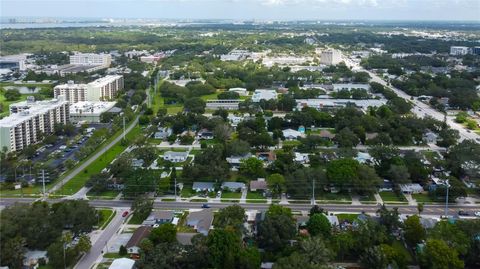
[[43, 182], [446, 199], [313, 192]]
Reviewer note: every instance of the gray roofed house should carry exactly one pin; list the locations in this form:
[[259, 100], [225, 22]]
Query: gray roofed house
[[201, 220], [237, 160], [163, 133], [175, 156], [430, 137], [203, 186], [159, 217], [326, 134], [233, 186], [185, 238], [137, 163]]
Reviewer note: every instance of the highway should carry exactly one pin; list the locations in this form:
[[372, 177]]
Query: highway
[[420, 109], [432, 209]]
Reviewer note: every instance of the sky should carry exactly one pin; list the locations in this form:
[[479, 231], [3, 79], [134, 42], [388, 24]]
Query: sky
[[461, 10]]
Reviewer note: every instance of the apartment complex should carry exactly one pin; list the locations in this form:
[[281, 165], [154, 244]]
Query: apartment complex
[[89, 111], [29, 120], [91, 59], [102, 89], [458, 50], [330, 57]]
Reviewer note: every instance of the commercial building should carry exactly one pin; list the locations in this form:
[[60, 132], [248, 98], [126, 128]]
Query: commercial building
[[30, 121], [458, 50], [91, 59], [350, 86], [13, 62], [86, 111], [330, 57], [66, 69], [264, 95], [227, 104], [102, 89], [476, 50], [338, 103]]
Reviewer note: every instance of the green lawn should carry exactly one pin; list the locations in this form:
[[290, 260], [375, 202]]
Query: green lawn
[[348, 217], [108, 195], [113, 255], [135, 220], [106, 215], [388, 196], [199, 200], [212, 96], [257, 196], [423, 198], [231, 195], [187, 192], [334, 197], [97, 166], [6, 104], [397, 245], [368, 198]]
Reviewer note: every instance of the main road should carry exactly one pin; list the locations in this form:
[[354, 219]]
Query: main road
[[420, 109], [431, 209]]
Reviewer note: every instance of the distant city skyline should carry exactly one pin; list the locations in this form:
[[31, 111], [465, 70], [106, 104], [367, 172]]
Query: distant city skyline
[[458, 10]]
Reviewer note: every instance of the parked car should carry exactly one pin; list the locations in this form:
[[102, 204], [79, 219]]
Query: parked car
[[125, 214], [463, 213], [205, 206]]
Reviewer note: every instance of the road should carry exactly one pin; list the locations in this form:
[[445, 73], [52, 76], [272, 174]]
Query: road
[[431, 209], [87, 261], [90, 160], [420, 109]]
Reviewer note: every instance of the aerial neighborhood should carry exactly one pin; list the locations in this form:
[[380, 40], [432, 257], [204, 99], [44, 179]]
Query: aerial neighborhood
[[252, 145]]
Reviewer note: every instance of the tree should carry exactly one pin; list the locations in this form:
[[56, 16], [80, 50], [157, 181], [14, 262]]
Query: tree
[[13, 251], [316, 209], [374, 258], [389, 219], [249, 258], [277, 228], [346, 138], [222, 132], [437, 254], [399, 174], [414, 231], [276, 183], [195, 105], [452, 235], [12, 95], [142, 207], [237, 148], [394, 256], [315, 250], [223, 246], [122, 251], [449, 137], [230, 216], [318, 224], [252, 168], [420, 207], [165, 233], [84, 245]]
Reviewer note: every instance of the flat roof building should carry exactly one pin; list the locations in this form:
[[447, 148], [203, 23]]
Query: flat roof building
[[30, 120], [89, 111], [102, 89], [338, 103], [458, 50], [264, 95], [91, 59], [330, 57]]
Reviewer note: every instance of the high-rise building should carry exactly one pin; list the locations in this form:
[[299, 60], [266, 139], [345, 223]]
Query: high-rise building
[[476, 50], [102, 89], [330, 57], [30, 120], [458, 50], [91, 59]]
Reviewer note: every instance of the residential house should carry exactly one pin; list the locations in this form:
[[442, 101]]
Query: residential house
[[175, 156], [301, 158], [364, 158], [267, 157], [185, 239], [258, 185], [133, 245], [234, 120], [159, 217], [411, 188], [137, 163], [430, 137], [370, 136], [333, 220], [233, 186], [122, 263], [201, 220], [203, 186], [205, 134], [326, 134], [387, 186], [291, 134], [33, 257], [235, 161], [163, 133]]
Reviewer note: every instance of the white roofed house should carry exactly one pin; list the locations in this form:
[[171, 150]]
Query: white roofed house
[[203, 186], [233, 186], [175, 156], [291, 134], [301, 158]]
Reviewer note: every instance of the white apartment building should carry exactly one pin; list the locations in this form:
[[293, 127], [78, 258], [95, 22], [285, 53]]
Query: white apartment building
[[458, 50], [102, 89], [89, 111], [331, 57], [91, 59], [264, 95], [30, 121]]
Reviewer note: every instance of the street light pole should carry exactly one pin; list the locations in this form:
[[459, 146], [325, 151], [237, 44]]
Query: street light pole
[[446, 199]]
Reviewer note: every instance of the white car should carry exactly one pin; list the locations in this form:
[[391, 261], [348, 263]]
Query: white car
[[477, 213]]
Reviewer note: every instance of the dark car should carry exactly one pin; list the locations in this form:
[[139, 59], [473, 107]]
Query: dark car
[[463, 213], [205, 206], [125, 214]]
